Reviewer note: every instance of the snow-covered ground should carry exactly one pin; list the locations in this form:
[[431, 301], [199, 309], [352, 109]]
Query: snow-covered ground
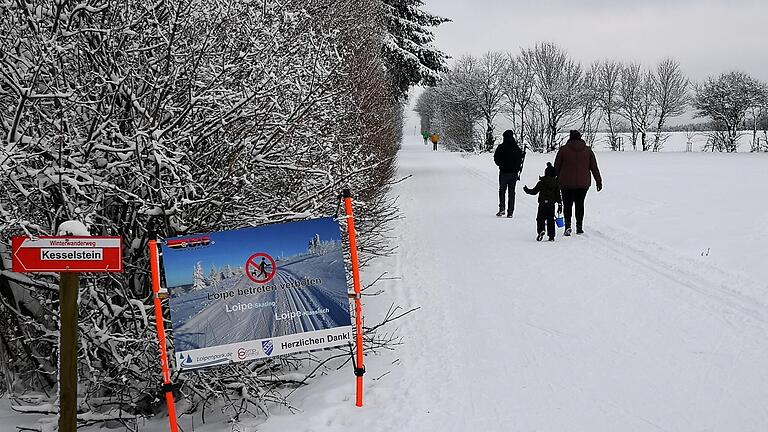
[[627, 328], [655, 320]]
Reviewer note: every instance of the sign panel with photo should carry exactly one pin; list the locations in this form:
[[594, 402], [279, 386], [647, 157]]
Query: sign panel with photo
[[257, 292]]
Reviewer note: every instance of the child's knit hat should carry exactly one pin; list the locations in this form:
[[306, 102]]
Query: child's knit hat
[[550, 170]]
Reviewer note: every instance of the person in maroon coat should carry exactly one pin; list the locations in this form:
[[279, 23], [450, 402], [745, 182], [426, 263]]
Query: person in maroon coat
[[576, 164]]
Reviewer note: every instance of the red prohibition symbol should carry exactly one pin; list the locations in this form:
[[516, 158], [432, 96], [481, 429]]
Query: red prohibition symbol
[[261, 268]]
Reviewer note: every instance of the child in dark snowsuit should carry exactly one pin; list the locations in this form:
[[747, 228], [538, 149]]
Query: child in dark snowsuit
[[548, 189]]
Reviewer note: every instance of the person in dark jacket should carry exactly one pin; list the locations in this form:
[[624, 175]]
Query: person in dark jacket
[[548, 190], [509, 159], [574, 163]]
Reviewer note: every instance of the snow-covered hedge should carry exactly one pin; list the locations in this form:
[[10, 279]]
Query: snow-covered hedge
[[169, 117]]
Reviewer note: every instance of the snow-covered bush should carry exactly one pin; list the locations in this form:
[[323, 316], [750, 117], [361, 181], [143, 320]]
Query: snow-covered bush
[[172, 117]]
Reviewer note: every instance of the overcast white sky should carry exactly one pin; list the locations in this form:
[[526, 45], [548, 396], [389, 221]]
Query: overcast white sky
[[708, 37]]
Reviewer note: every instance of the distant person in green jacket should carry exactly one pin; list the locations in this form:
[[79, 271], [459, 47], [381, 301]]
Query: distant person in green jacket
[[425, 134], [548, 190]]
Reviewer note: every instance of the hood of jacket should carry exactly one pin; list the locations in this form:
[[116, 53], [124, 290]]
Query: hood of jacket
[[576, 145]]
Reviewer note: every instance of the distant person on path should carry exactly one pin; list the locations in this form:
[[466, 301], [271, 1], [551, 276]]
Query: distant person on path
[[425, 134], [435, 140], [548, 190], [574, 163], [509, 159]]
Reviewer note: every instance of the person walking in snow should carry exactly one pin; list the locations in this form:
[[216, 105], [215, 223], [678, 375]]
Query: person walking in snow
[[435, 140], [574, 163], [425, 134], [548, 190], [509, 158]]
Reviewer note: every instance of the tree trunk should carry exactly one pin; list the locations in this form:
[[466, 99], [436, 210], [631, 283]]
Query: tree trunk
[[755, 144], [657, 138], [634, 136], [552, 138], [489, 141], [732, 138], [612, 133]]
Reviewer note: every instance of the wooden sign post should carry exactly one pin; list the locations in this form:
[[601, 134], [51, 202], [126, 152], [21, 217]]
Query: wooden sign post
[[68, 256]]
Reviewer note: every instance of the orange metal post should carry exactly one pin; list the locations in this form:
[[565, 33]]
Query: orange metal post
[[360, 369], [155, 258]]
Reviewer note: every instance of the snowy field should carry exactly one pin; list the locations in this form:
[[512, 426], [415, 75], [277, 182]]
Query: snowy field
[[655, 320], [678, 141]]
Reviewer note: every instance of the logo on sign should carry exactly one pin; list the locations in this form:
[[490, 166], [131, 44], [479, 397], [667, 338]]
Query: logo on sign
[[267, 346], [243, 353], [183, 361], [191, 242]]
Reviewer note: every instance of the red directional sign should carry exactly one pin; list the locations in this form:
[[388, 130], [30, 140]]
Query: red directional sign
[[68, 254]]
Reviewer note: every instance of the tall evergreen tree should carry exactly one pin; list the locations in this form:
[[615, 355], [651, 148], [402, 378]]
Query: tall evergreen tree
[[410, 56], [198, 277]]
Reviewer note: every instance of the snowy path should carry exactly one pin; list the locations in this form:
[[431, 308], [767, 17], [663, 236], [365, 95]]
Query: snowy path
[[593, 333], [603, 332]]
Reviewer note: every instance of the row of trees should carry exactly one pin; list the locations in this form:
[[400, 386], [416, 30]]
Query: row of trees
[[543, 92], [145, 119]]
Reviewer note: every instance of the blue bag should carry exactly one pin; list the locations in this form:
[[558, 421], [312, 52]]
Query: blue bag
[[560, 221]]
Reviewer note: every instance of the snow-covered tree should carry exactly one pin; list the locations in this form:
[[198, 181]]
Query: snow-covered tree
[[759, 112], [630, 97], [726, 99], [214, 275], [559, 81], [607, 75], [410, 56], [457, 110], [519, 90], [477, 85], [490, 78], [670, 96], [199, 280], [637, 102], [591, 114]]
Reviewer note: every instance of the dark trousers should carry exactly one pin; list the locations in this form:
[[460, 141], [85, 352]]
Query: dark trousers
[[507, 183], [546, 216], [571, 197], [434, 146]]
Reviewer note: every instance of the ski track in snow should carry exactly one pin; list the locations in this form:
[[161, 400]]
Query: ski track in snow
[[232, 327]]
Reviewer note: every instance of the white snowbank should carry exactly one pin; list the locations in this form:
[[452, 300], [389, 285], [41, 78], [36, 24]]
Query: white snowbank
[[73, 228]]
